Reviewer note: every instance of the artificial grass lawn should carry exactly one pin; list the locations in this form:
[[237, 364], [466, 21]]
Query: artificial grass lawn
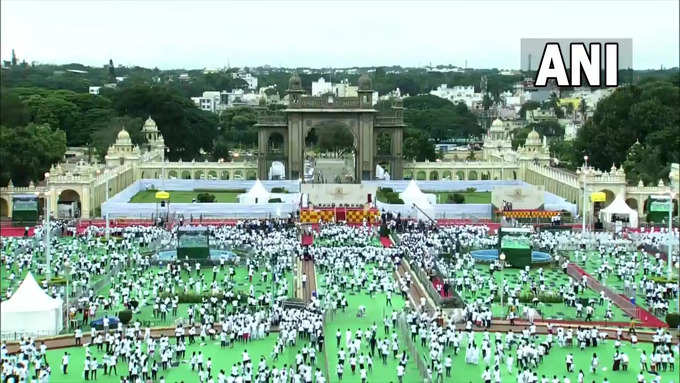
[[470, 197], [376, 310], [554, 279], [222, 358], [241, 283], [554, 363], [184, 196], [593, 263]]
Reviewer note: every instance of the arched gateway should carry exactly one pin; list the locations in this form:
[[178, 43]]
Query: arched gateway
[[305, 113]]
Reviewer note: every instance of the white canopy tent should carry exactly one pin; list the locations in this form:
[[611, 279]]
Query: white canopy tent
[[421, 202], [30, 311], [256, 195], [619, 209]]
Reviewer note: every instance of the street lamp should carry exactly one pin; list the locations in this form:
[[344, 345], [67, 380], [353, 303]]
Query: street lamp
[[502, 258], [67, 270], [48, 255], [585, 169]]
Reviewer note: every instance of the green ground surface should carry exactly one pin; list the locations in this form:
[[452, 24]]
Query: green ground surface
[[470, 197], [594, 261], [223, 358], [185, 196], [376, 310], [554, 279], [241, 283], [554, 363]]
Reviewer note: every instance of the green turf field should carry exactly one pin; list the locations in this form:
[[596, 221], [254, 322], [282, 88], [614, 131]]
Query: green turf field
[[376, 310], [470, 197], [554, 363], [149, 196], [223, 358], [554, 278]]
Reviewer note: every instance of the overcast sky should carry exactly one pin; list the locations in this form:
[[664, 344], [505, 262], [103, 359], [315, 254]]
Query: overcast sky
[[179, 34]]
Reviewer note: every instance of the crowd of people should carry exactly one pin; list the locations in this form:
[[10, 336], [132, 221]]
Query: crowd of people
[[246, 300]]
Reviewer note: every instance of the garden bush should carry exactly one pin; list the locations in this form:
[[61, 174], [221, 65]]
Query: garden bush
[[663, 280], [205, 197], [673, 319], [456, 198], [279, 190], [387, 195], [125, 316], [54, 281], [471, 190]]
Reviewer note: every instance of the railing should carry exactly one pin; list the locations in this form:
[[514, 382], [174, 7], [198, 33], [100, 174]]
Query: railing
[[412, 350], [388, 121], [323, 102], [272, 120], [18, 335]]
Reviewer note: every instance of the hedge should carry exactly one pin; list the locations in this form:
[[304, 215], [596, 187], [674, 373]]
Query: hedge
[[54, 281], [198, 298], [205, 197], [529, 298], [279, 190], [663, 280], [387, 195], [673, 319], [456, 198]]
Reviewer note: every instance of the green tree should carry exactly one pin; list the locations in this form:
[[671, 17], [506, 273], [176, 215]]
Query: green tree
[[417, 146], [27, 152], [13, 112], [646, 113], [529, 105]]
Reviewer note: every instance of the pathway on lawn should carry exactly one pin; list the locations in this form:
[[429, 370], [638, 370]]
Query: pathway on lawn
[[635, 311], [310, 286], [415, 291]]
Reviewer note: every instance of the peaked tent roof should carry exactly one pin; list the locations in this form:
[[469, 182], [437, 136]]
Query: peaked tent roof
[[258, 190], [29, 297], [619, 206], [413, 194]]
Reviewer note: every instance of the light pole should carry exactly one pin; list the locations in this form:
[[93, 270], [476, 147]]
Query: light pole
[[67, 270], [48, 255], [502, 258], [585, 169], [106, 175]]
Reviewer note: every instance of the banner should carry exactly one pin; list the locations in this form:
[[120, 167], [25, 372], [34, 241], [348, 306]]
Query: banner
[[660, 206]]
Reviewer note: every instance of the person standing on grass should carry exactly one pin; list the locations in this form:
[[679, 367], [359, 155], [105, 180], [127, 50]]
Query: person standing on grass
[[64, 363]]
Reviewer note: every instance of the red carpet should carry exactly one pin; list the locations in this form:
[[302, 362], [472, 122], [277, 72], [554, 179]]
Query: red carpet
[[439, 286], [307, 240], [386, 241], [14, 231]]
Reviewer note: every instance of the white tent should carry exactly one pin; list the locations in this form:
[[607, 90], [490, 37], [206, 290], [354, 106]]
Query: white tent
[[30, 311], [257, 194], [421, 202], [619, 208]]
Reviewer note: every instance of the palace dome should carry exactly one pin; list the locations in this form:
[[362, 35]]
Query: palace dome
[[123, 135], [365, 82], [497, 125], [295, 83], [533, 139]]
